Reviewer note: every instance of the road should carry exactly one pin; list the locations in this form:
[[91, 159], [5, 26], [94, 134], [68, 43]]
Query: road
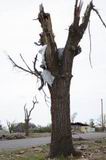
[[23, 143], [91, 135], [30, 142]]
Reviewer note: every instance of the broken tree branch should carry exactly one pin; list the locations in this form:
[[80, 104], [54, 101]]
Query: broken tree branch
[[25, 63], [17, 66], [99, 17], [75, 35], [47, 38], [86, 18], [38, 44], [77, 11], [35, 72], [38, 73]]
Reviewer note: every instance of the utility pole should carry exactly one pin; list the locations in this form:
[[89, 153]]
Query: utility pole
[[102, 118]]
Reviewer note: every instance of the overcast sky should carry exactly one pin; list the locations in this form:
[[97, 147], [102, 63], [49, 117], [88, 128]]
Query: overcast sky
[[18, 32]]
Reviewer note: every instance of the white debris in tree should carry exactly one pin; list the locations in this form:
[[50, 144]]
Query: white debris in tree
[[60, 52], [47, 77], [46, 74], [42, 52]]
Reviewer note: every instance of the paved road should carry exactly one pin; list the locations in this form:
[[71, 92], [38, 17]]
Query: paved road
[[30, 142], [90, 135], [23, 143]]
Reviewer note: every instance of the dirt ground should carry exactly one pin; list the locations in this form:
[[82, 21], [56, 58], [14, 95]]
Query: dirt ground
[[91, 150]]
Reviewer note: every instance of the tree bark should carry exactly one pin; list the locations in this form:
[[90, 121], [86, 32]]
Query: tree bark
[[61, 138], [26, 127], [61, 69]]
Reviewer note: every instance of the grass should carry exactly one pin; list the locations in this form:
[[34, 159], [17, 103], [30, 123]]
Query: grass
[[36, 135], [94, 150]]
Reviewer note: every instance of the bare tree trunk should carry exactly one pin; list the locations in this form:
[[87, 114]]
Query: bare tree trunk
[[61, 138], [61, 70], [102, 116], [27, 116], [26, 128]]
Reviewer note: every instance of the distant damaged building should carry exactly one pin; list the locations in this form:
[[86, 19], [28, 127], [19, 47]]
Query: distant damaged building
[[81, 127]]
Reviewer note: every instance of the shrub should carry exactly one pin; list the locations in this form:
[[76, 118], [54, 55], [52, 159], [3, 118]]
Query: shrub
[[41, 129]]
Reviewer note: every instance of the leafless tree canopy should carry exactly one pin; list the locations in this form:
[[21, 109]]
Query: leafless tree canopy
[[57, 73], [28, 115]]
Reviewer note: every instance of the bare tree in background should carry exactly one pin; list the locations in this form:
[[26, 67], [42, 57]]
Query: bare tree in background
[[27, 116], [56, 72], [10, 126]]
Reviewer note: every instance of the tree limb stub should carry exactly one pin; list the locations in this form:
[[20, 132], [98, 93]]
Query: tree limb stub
[[38, 73], [82, 27], [77, 11], [86, 17], [47, 37], [76, 33]]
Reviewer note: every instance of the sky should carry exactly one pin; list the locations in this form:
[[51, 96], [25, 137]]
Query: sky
[[18, 32]]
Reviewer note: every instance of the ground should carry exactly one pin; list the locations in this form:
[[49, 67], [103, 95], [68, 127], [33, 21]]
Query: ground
[[91, 150]]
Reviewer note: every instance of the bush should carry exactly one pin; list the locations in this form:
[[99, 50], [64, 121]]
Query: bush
[[41, 129], [20, 127]]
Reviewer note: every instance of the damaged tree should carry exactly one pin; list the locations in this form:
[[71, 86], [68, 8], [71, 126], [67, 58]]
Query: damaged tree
[[27, 116], [10, 126], [57, 73]]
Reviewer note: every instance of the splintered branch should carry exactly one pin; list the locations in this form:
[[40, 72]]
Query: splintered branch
[[47, 38], [77, 11], [75, 8], [76, 31], [41, 8], [86, 18]]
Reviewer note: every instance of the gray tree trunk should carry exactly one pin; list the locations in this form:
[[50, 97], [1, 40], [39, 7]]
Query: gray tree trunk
[[61, 69], [61, 138]]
